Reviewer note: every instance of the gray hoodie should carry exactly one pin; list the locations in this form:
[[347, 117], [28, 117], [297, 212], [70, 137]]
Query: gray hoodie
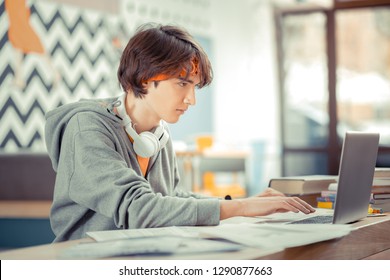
[[99, 184]]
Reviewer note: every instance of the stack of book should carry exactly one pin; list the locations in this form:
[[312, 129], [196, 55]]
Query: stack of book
[[307, 187], [324, 187], [380, 192], [300, 185], [327, 199]]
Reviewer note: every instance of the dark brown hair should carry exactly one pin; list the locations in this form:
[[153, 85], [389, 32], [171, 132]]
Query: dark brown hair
[[160, 49]]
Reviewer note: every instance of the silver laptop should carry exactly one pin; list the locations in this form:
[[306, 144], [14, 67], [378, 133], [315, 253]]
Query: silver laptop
[[356, 173]]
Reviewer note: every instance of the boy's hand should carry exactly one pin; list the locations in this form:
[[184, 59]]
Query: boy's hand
[[270, 192]]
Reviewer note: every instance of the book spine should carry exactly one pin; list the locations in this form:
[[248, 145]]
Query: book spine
[[328, 193], [380, 196], [326, 199], [379, 201], [382, 172], [325, 204]]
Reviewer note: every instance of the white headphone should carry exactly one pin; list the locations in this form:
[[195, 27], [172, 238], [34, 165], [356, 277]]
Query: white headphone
[[146, 144]]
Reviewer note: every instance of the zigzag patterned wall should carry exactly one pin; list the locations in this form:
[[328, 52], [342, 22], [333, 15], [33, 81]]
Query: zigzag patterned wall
[[80, 62]]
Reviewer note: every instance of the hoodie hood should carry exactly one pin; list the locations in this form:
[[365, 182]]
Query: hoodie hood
[[58, 119]]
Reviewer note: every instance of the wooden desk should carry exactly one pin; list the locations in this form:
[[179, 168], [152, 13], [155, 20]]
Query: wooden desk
[[370, 241], [25, 208]]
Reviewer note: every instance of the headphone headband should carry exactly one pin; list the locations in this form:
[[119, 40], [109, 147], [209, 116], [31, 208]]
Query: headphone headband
[[126, 121]]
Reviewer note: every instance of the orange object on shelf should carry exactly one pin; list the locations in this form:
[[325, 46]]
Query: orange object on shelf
[[204, 142]]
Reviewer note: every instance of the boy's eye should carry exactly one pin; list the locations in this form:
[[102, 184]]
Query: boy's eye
[[183, 84]]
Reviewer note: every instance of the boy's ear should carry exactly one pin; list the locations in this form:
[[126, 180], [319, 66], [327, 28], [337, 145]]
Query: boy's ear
[[145, 85]]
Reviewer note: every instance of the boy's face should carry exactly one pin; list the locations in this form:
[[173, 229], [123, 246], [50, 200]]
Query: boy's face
[[169, 99]]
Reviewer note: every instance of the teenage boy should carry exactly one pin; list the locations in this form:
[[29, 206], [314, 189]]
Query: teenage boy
[[116, 168]]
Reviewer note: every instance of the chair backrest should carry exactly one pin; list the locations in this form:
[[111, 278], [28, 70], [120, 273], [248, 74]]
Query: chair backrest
[[26, 176]]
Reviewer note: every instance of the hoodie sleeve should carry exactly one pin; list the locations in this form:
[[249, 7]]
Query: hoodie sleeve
[[102, 181]]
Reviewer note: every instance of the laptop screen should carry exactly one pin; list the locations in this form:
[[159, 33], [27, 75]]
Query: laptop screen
[[356, 172]]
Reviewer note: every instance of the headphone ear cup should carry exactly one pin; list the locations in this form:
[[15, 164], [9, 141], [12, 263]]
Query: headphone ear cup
[[147, 145], [162, 135]]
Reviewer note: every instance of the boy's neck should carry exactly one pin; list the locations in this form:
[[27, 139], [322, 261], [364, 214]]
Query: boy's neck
[[139, 113]]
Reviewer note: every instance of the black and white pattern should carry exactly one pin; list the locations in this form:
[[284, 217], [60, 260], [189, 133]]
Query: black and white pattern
[[80, 62]]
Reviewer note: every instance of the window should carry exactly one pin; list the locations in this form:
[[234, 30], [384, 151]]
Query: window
[[363, 71], [334, 76]]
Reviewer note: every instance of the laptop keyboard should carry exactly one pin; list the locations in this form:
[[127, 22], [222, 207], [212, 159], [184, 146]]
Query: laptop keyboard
[[315, 220]]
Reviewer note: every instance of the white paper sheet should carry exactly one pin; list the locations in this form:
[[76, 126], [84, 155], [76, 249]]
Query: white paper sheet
[[267, 233], [108, 235], [146, 246], [283, 235]]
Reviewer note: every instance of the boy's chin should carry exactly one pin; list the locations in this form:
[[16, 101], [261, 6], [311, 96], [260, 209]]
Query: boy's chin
[[171, 121]]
